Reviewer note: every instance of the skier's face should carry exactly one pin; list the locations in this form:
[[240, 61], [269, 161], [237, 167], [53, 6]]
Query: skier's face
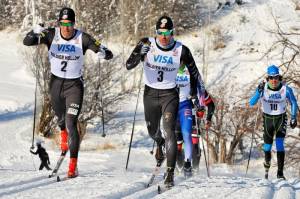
[[273, 81], [164, 36], [66, 28]]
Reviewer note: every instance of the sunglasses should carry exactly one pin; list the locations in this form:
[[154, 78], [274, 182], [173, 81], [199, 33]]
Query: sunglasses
[[273, 77], [66, 24], [165, 33]]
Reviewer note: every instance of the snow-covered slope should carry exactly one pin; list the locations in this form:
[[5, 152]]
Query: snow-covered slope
[[102, 171]]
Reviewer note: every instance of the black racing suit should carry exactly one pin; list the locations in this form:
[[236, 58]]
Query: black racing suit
[[67, 94], [44, 157], [164, 102]]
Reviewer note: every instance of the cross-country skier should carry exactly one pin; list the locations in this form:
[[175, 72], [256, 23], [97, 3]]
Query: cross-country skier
[[186, 122], [161, 57], [274, 96], [67, 47], [43, 155]]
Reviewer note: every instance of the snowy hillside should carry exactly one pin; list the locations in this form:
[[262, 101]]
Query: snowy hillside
[[102, 160]]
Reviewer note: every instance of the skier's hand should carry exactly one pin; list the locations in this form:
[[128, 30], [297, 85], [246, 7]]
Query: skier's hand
[[104, 53], [144, 50], [261, 87], [293, 123], [38, 29], [200, 110]]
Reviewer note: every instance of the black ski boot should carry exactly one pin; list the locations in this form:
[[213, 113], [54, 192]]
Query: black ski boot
[[169, 180], [159, 155], [187, 169], [267, 163], [280, 162], [267, 167]]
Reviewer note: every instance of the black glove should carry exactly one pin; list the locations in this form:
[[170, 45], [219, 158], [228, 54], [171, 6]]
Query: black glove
[[293, 123], [144, 50], [261, 87]]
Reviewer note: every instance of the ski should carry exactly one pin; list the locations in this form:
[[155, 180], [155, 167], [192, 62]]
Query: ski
[[154, 173], [58, 164]]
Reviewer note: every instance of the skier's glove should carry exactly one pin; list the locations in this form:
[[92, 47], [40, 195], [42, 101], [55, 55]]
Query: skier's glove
[[38, 29], [104, 53], [293, 123], [261, 87], [144, 50]]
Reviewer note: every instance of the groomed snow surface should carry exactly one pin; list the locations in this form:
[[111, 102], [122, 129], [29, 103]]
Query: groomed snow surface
[[102, 171]]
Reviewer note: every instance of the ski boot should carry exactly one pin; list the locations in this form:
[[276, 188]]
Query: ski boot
[[169, 180], [280, 175], [159, 155], [64, 140], [73, 172], [187, 169], [267, 167]]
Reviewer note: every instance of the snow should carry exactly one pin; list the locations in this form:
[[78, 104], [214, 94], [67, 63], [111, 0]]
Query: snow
[[102, 171]]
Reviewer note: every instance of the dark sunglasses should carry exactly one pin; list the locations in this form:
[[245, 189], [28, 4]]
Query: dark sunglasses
[[67, 24], [165, 33], [273, 77]]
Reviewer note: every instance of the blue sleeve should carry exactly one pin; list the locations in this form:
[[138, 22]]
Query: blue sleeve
[[254, 99], [292, 99]]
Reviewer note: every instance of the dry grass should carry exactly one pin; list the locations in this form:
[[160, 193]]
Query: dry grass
[[106, 146]]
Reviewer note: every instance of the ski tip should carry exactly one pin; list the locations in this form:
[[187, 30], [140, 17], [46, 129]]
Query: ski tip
[[58, 179]]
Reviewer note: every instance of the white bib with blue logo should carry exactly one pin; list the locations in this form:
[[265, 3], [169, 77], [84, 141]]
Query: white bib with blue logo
[[183, 83], [160, 67], [66, 57], [274, 102]]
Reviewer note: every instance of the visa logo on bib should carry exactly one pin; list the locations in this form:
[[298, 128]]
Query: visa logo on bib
[[66, 48], [163, 59], [182, 79], [275, 96]]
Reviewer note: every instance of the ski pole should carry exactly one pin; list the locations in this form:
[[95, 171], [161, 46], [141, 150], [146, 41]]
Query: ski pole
[[101, 99], [35, 96], [151, 152], [136, 106], [207, 143], [252, 138]]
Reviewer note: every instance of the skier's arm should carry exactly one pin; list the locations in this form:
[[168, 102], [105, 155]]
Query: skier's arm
[[88, 42], [292, 99], [210, 106], [135, 57], [254, 99], [46, 37], [35, 153], [197, 84]]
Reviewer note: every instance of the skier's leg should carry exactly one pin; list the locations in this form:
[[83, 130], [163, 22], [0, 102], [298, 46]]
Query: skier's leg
[[280, 135], [268, 140], [41, 166], [74, 96], [59, 107], [170, 104], [152, 111], [179, 138], [185, 110], [170, 108]]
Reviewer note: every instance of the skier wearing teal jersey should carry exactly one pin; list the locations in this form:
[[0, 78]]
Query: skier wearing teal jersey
[[274, 96]]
